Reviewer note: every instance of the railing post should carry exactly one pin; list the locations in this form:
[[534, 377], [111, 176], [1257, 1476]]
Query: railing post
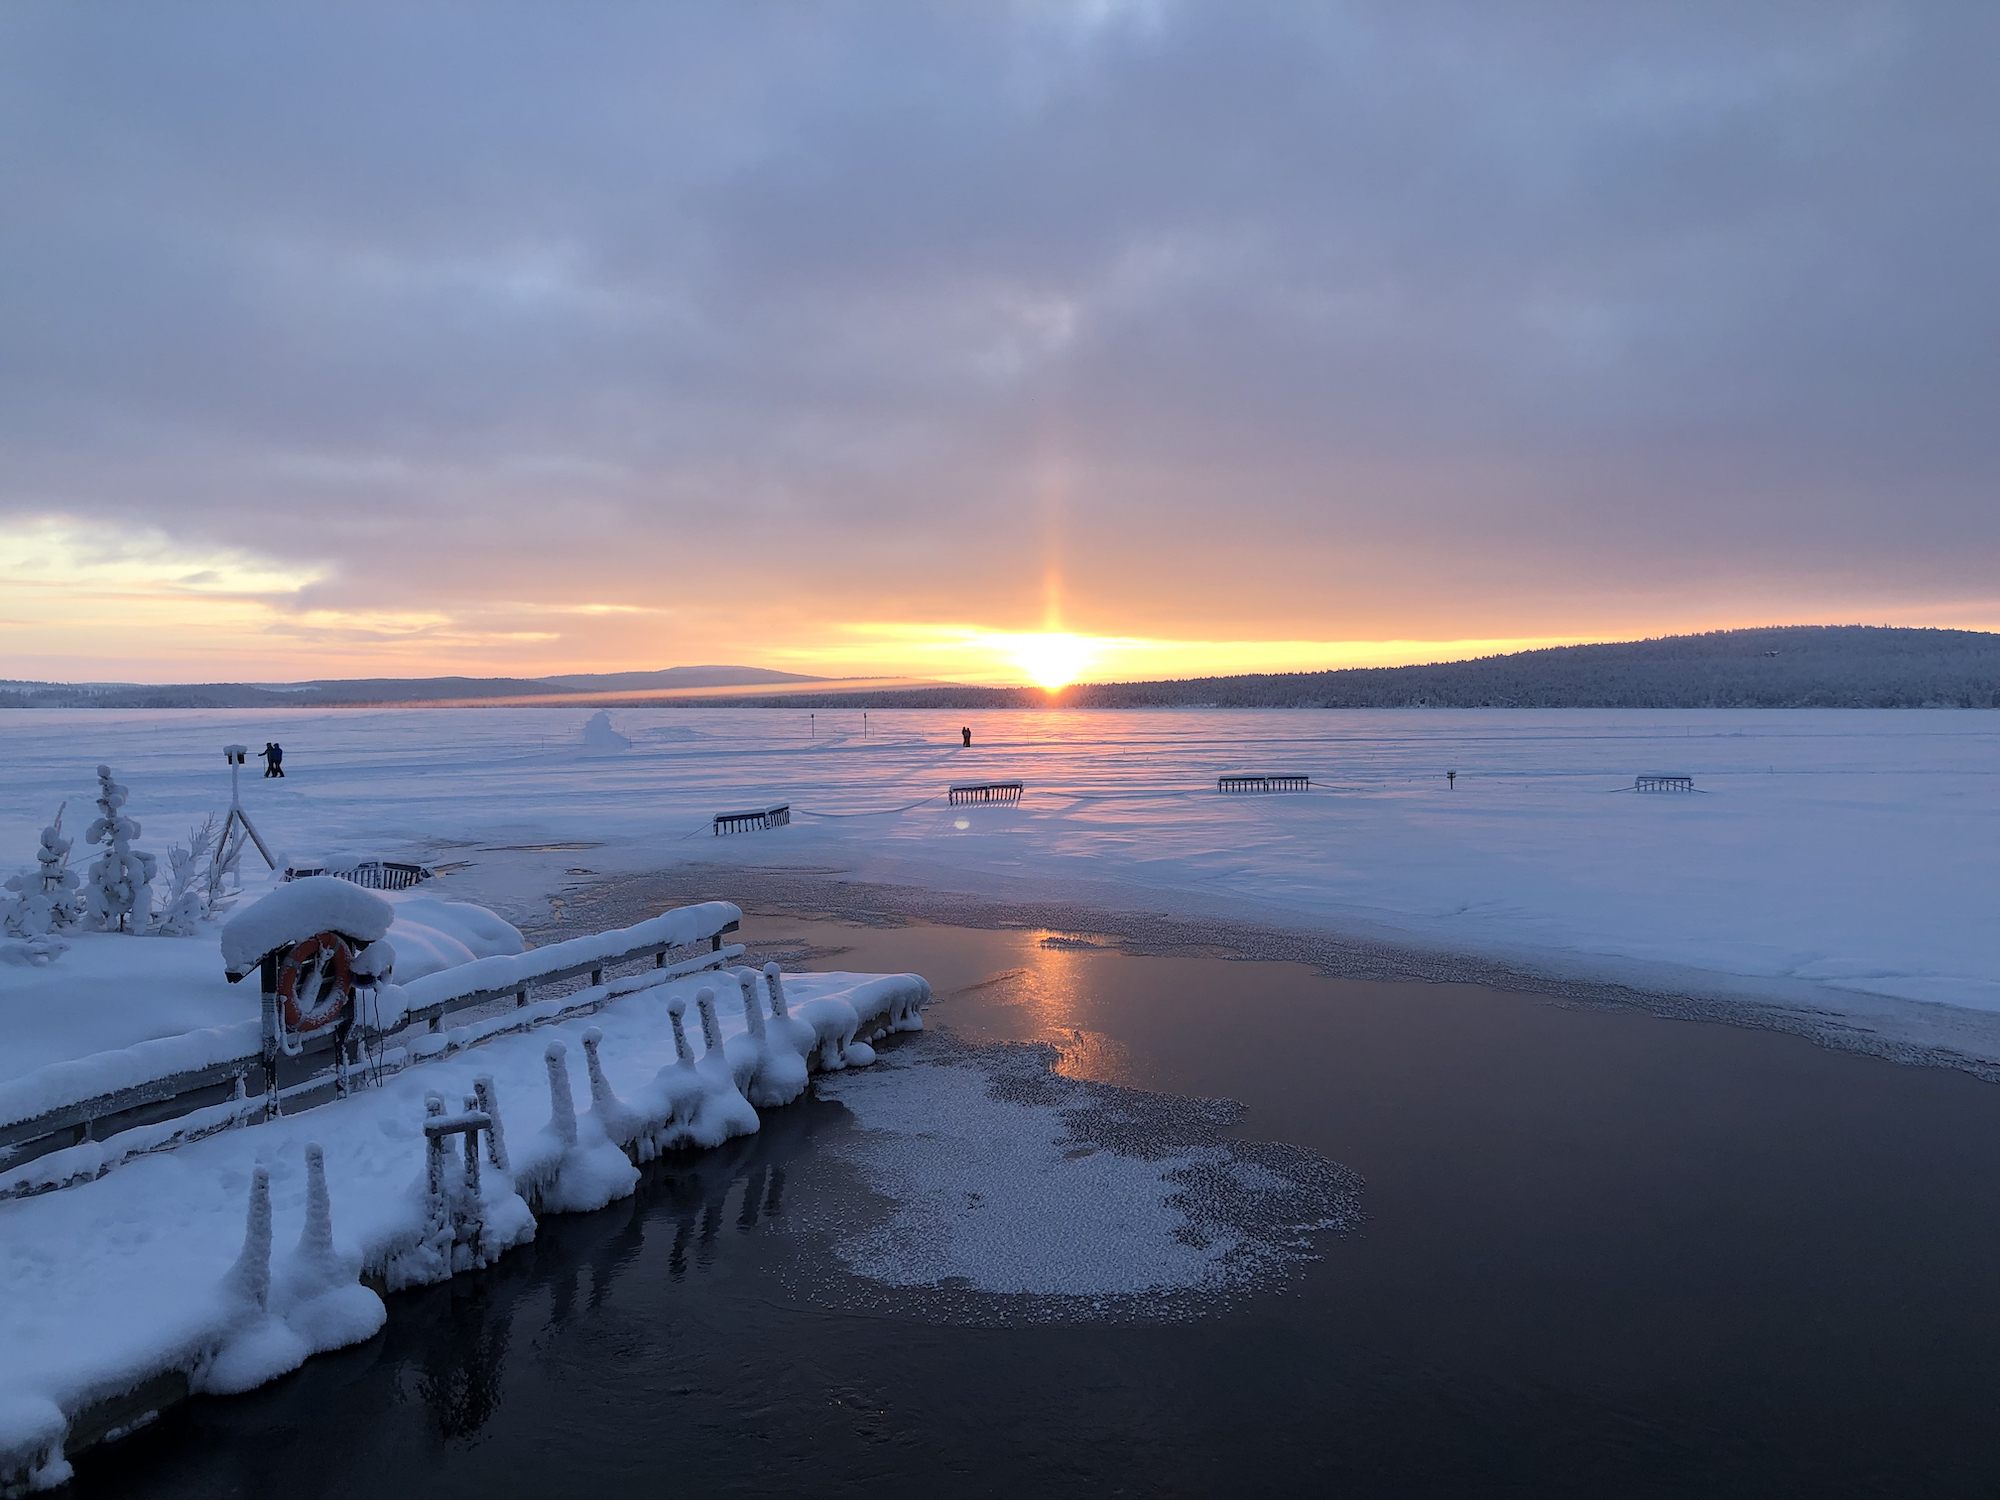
[[434, 1159], [268, 981], [489, 1106], [472, 1150]]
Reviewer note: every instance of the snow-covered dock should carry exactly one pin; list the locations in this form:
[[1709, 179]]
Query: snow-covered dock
[[227, 1261]]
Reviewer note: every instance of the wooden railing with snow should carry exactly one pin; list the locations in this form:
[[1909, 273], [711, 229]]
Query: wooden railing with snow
[[81, 1117]]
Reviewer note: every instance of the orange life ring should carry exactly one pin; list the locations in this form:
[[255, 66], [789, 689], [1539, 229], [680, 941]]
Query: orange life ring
[[328, 956]]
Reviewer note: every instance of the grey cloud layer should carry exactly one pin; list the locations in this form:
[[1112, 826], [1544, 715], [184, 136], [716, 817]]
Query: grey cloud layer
[[525, 295]]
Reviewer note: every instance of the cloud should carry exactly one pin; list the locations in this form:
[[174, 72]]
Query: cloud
[[1257, 323]]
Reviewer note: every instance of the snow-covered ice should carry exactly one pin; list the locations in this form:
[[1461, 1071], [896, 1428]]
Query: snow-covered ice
[[1840, 859]]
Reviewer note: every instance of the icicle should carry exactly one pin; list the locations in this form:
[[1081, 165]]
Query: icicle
[[683, 1054], [776, 980], [753, 1008], [316, 1238], [489, 1105], [562, 1108], [252, 1272], [711, 1031]]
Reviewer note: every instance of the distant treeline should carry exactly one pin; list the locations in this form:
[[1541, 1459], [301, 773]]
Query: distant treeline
[[1792, 666]]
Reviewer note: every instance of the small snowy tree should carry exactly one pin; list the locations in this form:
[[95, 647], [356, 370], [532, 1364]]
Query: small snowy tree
[[187, 901], [57, 879], [119, 894], [42, 900]]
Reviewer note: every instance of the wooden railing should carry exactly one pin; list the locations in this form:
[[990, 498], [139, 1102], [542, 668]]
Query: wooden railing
[[162, 1104]]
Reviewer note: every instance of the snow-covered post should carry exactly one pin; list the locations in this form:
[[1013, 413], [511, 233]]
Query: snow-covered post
[[434, 1158], [472, 1151], [753, 1007], [601, 1097], [488, 1100], [562, 1107], [775, 978], [711, 1031], [270, 1031], [251, 1275], [316, 1237], [676, 1008]]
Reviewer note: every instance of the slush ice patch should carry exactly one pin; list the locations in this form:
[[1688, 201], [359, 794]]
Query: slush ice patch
[[1002, 1192]]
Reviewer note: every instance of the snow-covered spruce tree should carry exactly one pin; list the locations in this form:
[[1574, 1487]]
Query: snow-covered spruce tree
[[58, 880], [186, 902], [118, 896], [45, 899]]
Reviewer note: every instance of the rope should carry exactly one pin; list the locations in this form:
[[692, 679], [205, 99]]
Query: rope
[[878, 812]]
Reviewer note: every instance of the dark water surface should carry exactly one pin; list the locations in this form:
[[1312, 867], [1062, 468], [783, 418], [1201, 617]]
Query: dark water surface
[[1603, 1253]]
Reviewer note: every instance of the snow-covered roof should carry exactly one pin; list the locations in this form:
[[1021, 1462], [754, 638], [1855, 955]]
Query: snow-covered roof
[[298, 910]]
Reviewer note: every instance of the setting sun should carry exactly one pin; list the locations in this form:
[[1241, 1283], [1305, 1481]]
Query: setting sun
[[1053, 659]]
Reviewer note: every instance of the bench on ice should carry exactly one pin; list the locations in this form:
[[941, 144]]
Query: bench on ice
[[1659, 783], [983, 791], [777, 815], [1263, 782], [369, 874]]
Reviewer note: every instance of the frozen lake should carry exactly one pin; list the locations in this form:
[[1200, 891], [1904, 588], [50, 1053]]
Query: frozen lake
[[1601, 1253], [1840, 860]]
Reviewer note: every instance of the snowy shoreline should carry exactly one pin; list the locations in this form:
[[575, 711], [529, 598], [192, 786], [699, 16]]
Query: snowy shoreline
[[1908, 1032]]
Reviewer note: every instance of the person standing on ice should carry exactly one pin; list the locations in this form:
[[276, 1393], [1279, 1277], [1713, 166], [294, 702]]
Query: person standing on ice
[[968, 736], [275, 754]]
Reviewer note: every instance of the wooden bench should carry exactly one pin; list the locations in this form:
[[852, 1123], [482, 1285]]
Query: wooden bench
[[984, 791], [777, 815], [1663, 784], [369, 874]]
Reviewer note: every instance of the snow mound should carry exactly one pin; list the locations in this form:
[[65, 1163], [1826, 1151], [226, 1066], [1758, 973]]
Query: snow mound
[[432, 935], [599, 738], [298, 910]]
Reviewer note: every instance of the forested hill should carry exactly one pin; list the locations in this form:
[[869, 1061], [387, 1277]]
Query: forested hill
[[1795, 666], [1792, 666]]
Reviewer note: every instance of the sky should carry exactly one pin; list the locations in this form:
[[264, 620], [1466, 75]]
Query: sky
[[887, 339]]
